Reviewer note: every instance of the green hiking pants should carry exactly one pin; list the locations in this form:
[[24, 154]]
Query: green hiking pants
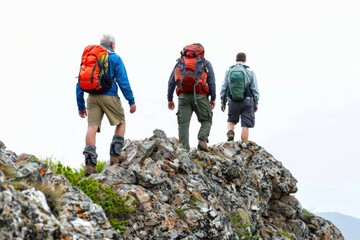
[[203, 112]]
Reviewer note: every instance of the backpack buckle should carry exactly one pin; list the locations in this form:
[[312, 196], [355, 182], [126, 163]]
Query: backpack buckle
[[188, 53]]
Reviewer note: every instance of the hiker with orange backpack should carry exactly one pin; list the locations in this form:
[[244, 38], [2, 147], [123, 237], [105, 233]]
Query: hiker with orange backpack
[[194, 80], [101, 73], [240, 90]]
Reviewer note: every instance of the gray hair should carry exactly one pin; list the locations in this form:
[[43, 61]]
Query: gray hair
[[107, 40]]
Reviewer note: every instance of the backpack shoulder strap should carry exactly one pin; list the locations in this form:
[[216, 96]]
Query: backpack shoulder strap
[[251, 79]]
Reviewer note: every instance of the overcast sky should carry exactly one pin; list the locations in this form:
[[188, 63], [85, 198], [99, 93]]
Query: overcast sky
[[305, 54]]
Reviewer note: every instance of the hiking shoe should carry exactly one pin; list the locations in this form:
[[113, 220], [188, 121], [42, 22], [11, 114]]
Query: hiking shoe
[[203, 146], [230, 135], [116, 159], [90, 169]]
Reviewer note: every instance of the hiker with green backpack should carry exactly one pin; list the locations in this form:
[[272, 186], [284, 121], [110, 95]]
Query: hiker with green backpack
[[240, 90]]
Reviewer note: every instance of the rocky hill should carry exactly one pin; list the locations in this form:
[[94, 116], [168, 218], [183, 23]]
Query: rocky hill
[[232, 192], [348, 225]]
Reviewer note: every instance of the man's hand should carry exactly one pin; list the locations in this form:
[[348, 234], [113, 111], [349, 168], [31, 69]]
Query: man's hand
[[223, 108], [171, 105], [83, 113], [212, 105], [132, 108]]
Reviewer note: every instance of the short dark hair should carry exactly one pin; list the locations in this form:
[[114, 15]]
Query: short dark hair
[[241, 57]]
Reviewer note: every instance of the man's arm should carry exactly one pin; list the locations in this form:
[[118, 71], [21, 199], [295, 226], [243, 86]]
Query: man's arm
[[171, 86], [122, 79], [80, 101], [254, 88], [224, 92], [211, 81], [171, 89]]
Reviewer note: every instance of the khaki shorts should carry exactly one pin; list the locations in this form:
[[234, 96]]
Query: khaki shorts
[[99, 104]]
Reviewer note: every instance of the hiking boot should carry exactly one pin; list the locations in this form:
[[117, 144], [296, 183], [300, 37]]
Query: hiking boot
[[117, 158], [90, 154], [203, 146], [90, 169], [230, 135]]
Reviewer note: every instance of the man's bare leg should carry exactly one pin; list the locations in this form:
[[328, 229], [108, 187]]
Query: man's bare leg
[[244, 134]]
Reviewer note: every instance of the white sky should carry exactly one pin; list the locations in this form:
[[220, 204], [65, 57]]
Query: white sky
[[305, 54]]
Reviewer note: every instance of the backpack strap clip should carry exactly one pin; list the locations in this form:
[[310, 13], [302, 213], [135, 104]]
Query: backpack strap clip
[[188, 53]]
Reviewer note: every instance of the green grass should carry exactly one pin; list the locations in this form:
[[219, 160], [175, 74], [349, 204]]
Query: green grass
[[285, 234], [180, 213], [115, 207], [242, 225], [306, 215], [8, 170]]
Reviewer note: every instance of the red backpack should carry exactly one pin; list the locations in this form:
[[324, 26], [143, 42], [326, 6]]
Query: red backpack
[[94, 70], [190, 71]]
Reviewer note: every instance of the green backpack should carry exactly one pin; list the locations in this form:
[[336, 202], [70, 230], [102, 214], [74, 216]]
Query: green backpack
[[237, 82]]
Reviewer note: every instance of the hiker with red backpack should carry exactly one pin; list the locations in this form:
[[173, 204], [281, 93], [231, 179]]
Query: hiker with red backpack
[[194, 80], [240, 90], [101, 73]]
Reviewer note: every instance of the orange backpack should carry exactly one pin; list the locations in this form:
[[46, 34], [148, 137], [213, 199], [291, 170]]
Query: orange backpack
[[190, 71], [94, 70]]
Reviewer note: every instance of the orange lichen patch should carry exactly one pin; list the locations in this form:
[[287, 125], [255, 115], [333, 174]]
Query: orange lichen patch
[[196, 193], [169, 223], [181, 188], [69, 213], [167, 160], [118, 183], [187, 193], [42, 171], [67, 238], [168, 170], [327, 236], [184, 228], [77, 208], [83, 216], [256, 180], [20, 158]]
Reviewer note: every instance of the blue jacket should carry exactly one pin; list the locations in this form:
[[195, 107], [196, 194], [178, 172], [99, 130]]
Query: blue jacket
[[118, 73]]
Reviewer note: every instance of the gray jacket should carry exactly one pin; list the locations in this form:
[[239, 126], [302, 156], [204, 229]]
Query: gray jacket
[[250, 81]]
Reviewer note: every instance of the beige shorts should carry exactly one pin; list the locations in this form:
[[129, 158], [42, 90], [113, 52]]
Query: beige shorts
[[99, 104]]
